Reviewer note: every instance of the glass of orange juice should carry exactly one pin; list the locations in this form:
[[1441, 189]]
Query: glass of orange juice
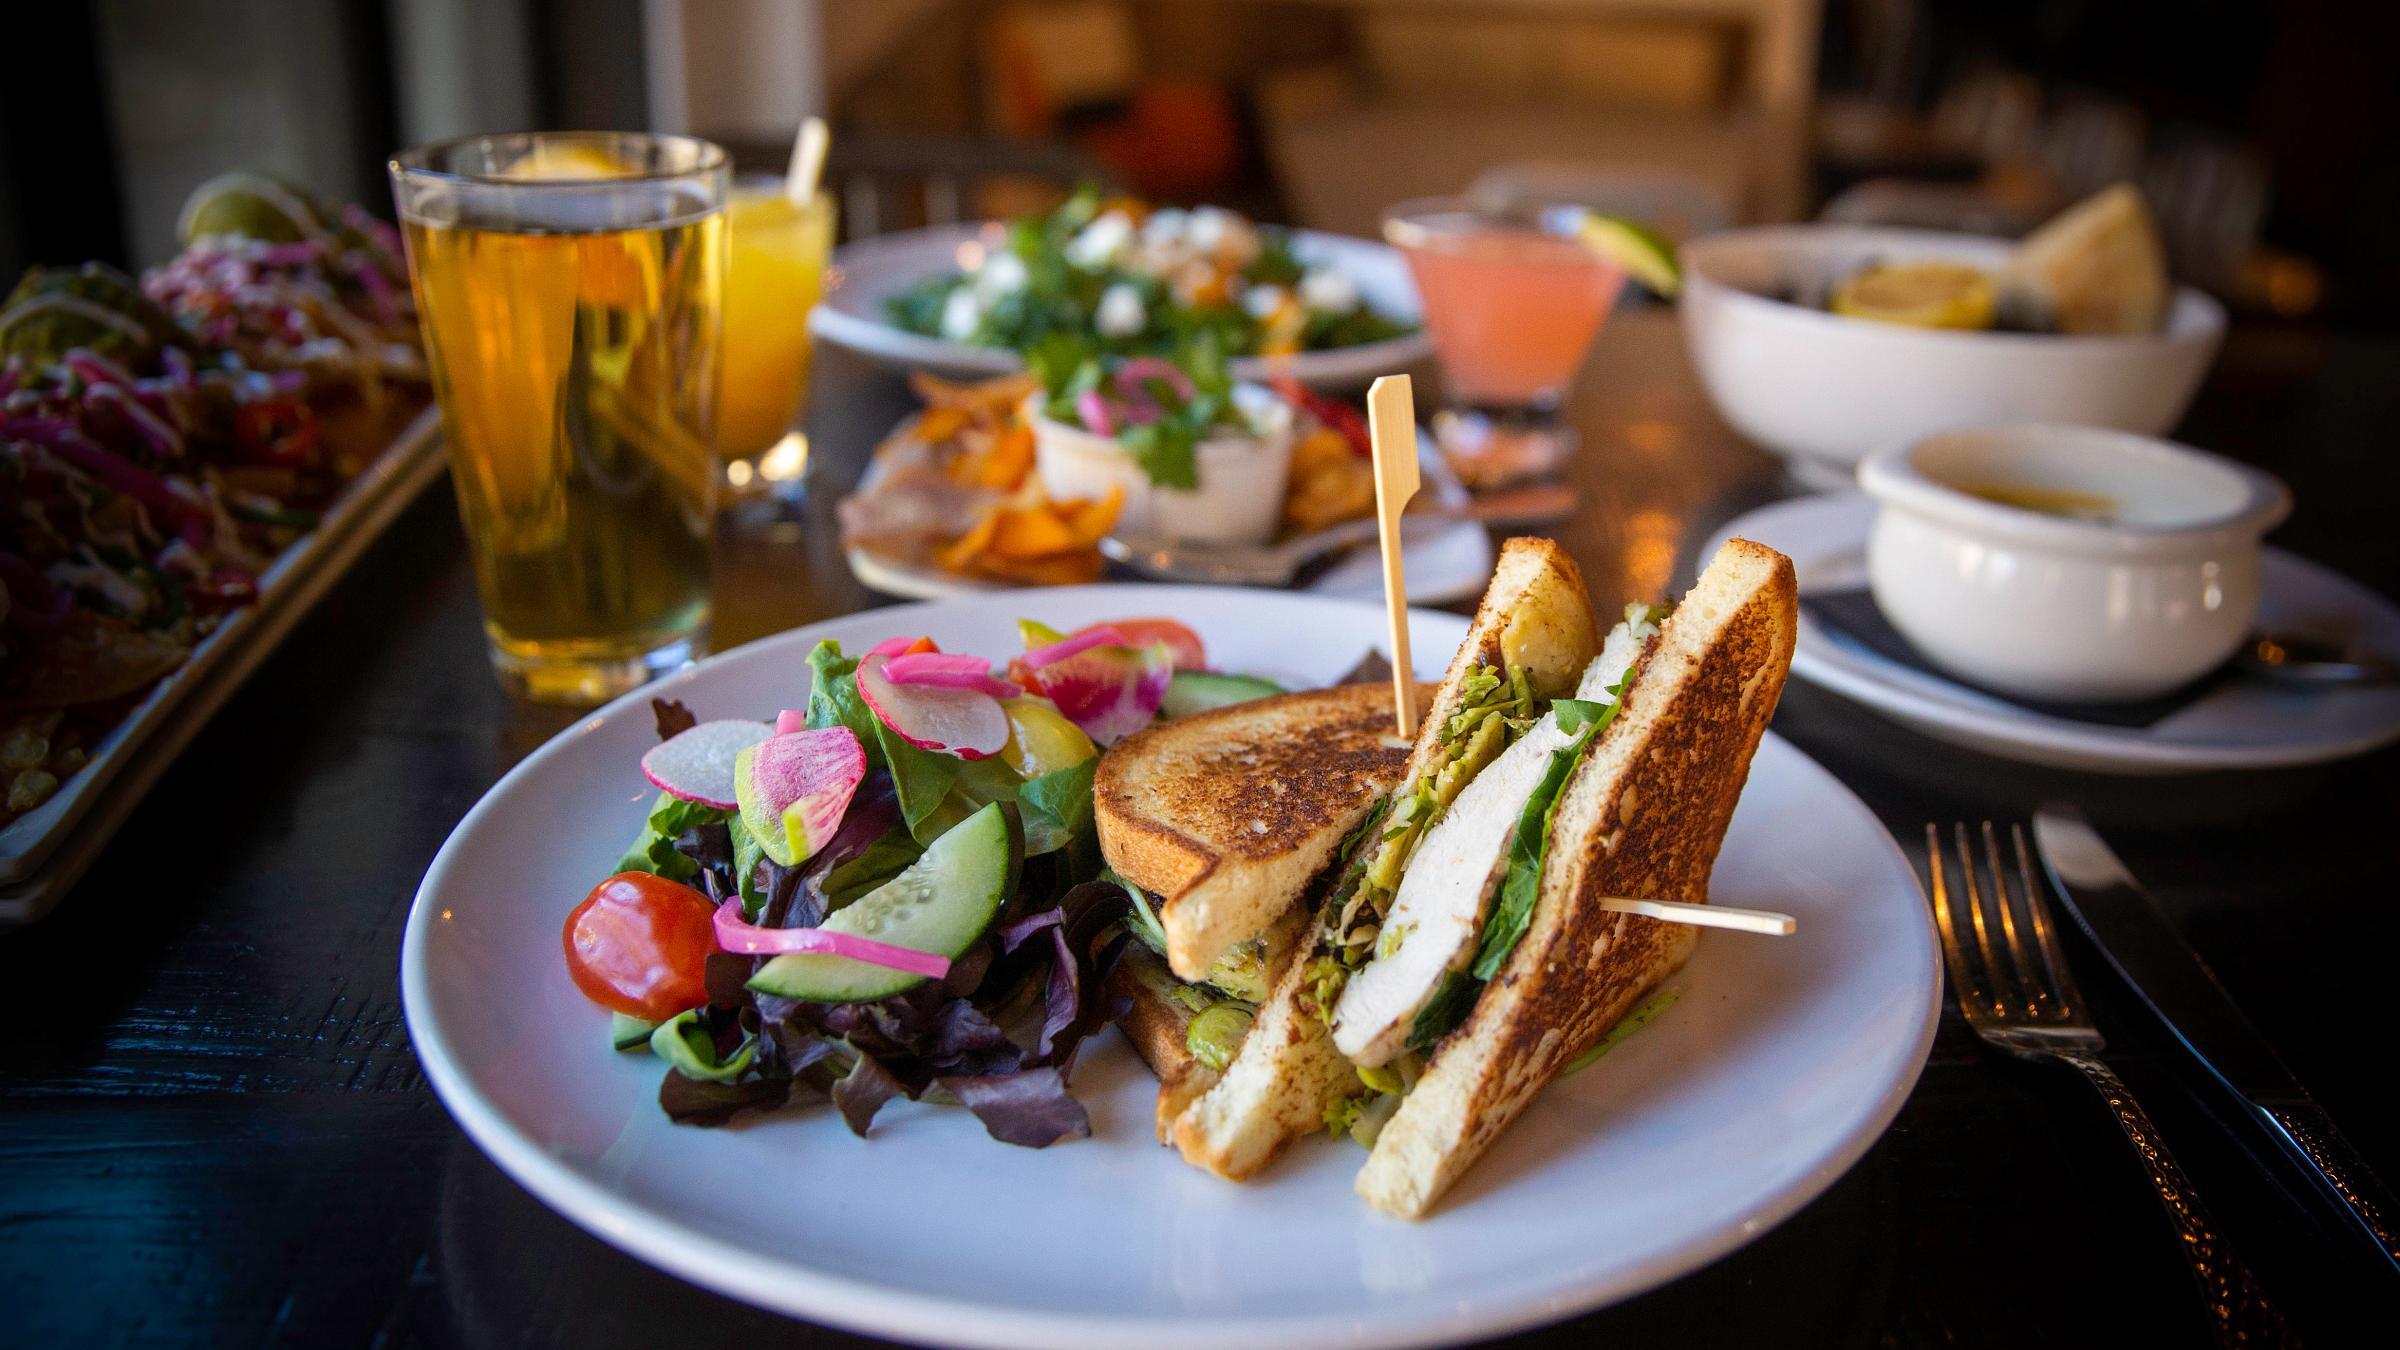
[[773, 280], [569, 286], [1512, 307]]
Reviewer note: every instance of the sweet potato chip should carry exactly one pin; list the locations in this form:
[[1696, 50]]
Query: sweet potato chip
[[1031, 532], [1007, 460], [1092, 520], [961, 554], [939, 424]]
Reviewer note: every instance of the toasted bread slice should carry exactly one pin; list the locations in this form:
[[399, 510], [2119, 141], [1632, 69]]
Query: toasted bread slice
[[1277, 1088], [2098, 266], [1642, 815], [1227, 815], [1159, 1023]]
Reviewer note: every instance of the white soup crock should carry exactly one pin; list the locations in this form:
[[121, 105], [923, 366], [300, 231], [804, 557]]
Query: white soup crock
[[2048, 607]]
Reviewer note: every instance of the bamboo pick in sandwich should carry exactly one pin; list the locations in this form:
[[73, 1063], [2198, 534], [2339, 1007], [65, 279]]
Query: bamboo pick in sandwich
[[1706, 916], [1392, 433], [808, 161]]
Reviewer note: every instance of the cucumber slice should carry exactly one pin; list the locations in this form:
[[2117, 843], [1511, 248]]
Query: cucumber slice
[[942, 903], [1192, 691], [628, 1032]]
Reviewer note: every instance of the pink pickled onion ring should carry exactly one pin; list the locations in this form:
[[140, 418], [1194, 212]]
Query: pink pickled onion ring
[[1158, 368], [1102, 636], [893, 646], [740, 936], [1095, 413], [942, 671], [790, 720]]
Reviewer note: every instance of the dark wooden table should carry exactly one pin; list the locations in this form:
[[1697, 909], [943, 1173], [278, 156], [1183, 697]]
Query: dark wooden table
[[212, 1129]]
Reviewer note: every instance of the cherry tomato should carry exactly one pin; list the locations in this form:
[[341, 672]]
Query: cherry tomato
[[1182, 643], [277, 431], [638, 944]]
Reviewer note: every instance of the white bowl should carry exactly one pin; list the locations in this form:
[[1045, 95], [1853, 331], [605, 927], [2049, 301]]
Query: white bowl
[[2043, 606], [1242, 477], [1827, 389]]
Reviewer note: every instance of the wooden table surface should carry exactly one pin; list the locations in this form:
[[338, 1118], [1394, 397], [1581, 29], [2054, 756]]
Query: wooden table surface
[[212, 1130]]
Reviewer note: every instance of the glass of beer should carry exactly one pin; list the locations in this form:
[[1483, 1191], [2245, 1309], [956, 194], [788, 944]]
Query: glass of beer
[[777, 273], [571, 289]]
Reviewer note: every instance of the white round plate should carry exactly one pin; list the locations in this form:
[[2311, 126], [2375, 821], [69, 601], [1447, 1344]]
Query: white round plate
[[1780, 1063], [2243, 723], [871, 271], [1451, 563]]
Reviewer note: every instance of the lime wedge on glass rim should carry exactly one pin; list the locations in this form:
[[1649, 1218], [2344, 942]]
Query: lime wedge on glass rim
[[1643, 252]]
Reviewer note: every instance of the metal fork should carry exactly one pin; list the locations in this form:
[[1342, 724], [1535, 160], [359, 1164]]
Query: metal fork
[[2016, 991]]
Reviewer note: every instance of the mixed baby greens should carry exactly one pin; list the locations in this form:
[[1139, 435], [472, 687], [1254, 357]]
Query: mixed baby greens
[[1140, 280]]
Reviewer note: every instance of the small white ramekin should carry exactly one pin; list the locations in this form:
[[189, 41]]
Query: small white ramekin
[[1242, 478], [2046, 607]]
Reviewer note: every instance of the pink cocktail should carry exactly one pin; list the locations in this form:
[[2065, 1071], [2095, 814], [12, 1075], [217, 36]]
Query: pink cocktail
[[1512, 308]]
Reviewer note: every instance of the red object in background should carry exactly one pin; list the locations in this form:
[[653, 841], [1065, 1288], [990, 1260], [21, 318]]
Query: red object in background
[[639, 944], [1182, 643], [1178, 140], [1333, 412]]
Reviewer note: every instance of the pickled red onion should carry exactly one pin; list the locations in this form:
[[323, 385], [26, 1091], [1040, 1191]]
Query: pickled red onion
[[945, 671], [743, 938], [1099, 635]]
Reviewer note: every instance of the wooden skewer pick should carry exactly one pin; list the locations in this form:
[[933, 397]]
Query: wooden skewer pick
[[808, 161], [1392, 432], [1707, 916]]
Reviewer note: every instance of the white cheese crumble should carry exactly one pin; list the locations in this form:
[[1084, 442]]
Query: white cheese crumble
[[1328, 292], [1120, 313]]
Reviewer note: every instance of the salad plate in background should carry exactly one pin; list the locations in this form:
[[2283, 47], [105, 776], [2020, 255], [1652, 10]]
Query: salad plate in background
[[1723, 1115], [889, 296]]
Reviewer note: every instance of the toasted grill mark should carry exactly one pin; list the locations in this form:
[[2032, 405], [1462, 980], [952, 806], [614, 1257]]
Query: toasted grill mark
[[1247, 793], [1693, 775]]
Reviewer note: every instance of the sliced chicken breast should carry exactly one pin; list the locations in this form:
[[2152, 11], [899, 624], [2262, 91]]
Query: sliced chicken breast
[[1439, 909]]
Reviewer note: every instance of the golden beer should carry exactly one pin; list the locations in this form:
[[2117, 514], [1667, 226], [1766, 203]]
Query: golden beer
[[571, 296]]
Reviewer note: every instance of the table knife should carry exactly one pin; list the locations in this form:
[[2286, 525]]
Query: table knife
[[2133, 933]]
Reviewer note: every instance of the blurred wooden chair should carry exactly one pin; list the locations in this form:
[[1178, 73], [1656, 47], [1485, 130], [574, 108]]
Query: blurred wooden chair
[[1714, 92]]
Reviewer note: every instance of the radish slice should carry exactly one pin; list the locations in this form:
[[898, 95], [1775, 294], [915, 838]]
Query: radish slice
[[1109, 690], [1098, 635], [737, 935], [1094, 410], [937, 670], [794, 788], [967, 723], [790, 720], [696, 763]]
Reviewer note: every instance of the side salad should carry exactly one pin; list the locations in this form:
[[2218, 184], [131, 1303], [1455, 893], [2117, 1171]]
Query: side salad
[[892, 892], [1140, 279]]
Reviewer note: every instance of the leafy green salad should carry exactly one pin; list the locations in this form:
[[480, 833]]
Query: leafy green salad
[[1136, 280]]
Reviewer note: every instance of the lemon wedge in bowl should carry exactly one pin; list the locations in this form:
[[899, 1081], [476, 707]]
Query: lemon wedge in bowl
[[1919, 295]]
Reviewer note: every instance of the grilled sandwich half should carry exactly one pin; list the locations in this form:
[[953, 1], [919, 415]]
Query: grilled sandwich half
[[1463, 957], [1222, 822]]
